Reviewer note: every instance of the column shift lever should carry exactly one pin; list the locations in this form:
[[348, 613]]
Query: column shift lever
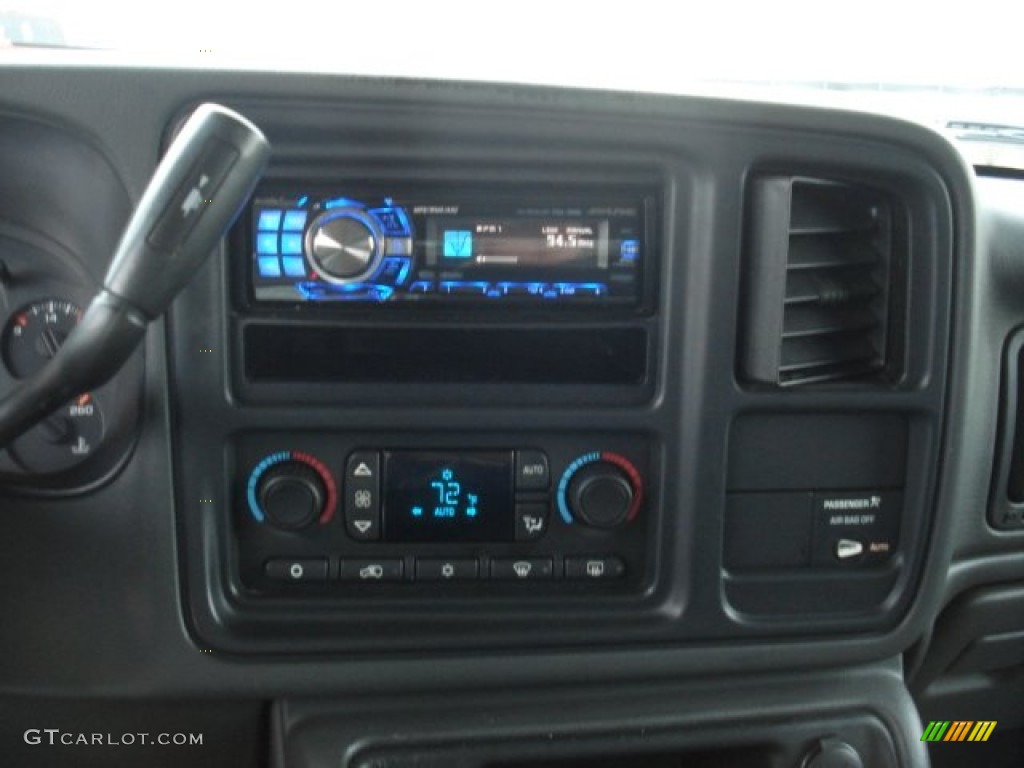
[[198, 189]]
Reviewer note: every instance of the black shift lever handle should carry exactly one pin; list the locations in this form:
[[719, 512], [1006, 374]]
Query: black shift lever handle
[[198, 189]]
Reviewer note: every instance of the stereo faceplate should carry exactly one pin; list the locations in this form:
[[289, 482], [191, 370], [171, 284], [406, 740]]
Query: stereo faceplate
[[449, 245]]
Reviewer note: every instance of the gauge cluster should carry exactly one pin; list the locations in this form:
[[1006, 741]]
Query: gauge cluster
[[62, 209], [34, 333], [67, 438], [43, 291]]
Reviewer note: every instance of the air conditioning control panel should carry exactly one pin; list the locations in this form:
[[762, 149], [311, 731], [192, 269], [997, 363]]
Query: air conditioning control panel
[[350, 516]]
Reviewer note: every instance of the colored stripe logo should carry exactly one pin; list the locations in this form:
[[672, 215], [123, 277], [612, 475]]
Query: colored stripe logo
[[959, 730]]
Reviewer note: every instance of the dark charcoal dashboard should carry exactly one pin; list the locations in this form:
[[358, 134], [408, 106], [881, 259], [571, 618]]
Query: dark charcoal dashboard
[[514, 395], [461, 339]]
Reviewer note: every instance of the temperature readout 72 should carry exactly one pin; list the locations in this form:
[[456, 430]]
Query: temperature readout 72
[[449, 497]]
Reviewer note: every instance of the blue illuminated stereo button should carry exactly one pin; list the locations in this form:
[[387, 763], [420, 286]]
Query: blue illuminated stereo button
[[581, 289], [392, 221], [317, 291], [266, 243], [294, 266], [522, 289], [392, 270], [629, 250], [464, 288], [291, 245], [340, 202], [269, 266], [398, 246], [294, 221], [421, 286], [269, 220]]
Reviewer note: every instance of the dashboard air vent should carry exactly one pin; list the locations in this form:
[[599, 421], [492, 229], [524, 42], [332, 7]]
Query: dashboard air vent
[[821, 282]]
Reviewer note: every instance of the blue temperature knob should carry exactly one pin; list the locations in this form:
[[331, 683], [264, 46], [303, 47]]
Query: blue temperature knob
[[603, 490]]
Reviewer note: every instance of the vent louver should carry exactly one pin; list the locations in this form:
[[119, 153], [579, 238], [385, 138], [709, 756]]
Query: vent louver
[[821, 282]]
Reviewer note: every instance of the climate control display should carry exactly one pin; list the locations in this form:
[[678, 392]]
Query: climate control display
[[449, 497]]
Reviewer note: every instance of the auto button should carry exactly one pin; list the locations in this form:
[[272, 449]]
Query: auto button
[[532, 471]]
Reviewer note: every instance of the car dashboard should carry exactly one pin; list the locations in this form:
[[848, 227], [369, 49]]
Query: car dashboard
[[517, 426]]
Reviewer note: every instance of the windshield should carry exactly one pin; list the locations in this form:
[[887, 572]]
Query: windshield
[[933, 62]]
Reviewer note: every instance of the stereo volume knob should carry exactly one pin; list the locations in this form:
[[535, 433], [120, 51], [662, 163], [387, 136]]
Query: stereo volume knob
[[292, 495], [344, 246], [601, 495]]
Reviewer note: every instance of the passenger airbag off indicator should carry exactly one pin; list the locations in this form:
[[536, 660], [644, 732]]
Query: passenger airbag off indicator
[[847, 549], [856, 527]]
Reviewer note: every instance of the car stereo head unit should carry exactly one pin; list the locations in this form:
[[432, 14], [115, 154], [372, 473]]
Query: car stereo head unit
[[561, 248]]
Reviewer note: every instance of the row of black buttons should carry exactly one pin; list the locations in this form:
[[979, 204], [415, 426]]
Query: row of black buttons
[[596, 568]]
